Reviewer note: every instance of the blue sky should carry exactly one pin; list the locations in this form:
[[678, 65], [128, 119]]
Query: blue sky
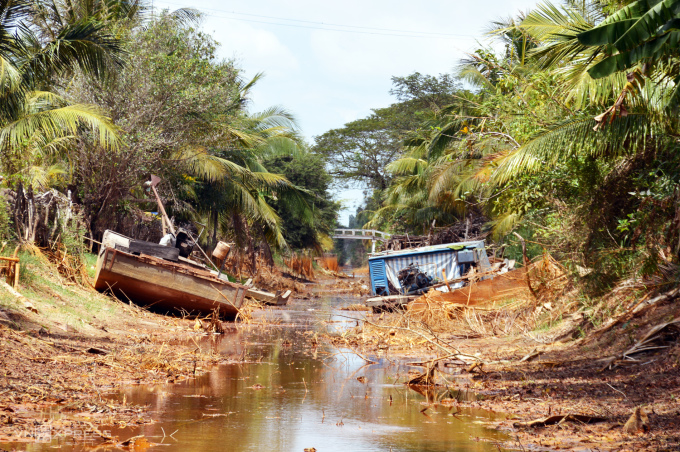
[[329, 63]]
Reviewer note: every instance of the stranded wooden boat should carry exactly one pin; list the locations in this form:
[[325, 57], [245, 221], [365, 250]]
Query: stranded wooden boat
[[179, 287]]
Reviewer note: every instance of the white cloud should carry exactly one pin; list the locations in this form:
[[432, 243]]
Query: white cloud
[[254, 46]]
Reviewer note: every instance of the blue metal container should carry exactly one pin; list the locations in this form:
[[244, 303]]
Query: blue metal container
[[454, 259]]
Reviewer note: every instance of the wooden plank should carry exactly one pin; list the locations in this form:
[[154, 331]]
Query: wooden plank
[[154, 249], [268, 297], [274, 299], [389, 302]]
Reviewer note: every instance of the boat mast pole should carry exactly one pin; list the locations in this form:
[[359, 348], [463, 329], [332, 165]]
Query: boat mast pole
[[154, 181]]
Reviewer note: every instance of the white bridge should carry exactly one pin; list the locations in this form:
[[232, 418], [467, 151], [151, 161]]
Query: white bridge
[[362, 234]]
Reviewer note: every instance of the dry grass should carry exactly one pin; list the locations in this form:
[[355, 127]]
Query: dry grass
[[438, 320], [301, 266], [330, 263]]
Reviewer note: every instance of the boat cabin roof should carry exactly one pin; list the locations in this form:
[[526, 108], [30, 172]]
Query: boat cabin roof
[[450, 247]]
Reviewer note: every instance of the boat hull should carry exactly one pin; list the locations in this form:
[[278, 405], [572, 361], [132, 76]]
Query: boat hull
[[165, 286]]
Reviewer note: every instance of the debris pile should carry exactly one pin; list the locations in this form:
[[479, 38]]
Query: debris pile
[[40, 218], [329, 263], [495, 300], [272, 279], [349, 286], [470, 229]]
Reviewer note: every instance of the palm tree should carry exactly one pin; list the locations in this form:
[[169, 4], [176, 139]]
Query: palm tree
[[575, 48], [234, 186], [30, 112]]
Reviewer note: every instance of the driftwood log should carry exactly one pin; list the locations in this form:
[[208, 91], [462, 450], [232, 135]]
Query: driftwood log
[[552, 420]]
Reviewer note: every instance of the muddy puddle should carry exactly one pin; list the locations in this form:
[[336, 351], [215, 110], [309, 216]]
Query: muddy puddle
[[283, 394]]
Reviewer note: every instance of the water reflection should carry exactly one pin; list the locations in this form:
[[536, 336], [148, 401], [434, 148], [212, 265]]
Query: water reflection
[[286, 395]]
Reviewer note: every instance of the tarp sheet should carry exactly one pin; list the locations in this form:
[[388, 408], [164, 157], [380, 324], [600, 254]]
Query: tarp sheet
[[431, 264]]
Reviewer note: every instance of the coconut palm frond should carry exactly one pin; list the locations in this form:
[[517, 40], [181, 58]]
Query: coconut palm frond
[[60, 122], [407, 165], [280, 146], [207, 166], [624, 135], [85, 44], [557, 29], [474, 76], [10, 77], [41, 177], [186, 16], [504, 224]]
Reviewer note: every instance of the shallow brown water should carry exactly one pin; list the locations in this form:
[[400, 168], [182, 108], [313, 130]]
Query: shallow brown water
[[285, 395]]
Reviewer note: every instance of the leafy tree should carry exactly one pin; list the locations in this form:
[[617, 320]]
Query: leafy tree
[[307, 171], [359, 152], [184, 116], [425, 92]]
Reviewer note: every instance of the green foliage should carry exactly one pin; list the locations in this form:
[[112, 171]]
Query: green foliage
[[182, 112], [642, 31], [359, 152], [35, 122], [73, 236], [307, 171], [5, 230], [98, 95], [583, 168]]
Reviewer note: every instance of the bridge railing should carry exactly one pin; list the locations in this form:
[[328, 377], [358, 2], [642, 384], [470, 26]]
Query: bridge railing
[[361, 234]]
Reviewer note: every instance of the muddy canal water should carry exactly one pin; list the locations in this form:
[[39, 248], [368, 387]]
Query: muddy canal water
[[283, 394]]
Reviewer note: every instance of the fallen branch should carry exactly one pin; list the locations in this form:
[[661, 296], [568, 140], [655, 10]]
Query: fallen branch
[[453, 352], [530, 356], [552, 420], [240, 313], [526, 263], [368, 361], [641, 306], [644, 344]]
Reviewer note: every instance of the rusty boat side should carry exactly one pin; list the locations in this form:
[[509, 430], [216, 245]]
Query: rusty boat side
[[166, 286]]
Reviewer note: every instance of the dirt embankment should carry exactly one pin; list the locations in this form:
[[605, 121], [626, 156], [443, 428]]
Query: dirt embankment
[[563, 381], [65, 348], [530, 359]]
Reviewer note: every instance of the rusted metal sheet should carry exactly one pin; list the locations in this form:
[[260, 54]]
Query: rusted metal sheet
[[166, 286], [502, 286]]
